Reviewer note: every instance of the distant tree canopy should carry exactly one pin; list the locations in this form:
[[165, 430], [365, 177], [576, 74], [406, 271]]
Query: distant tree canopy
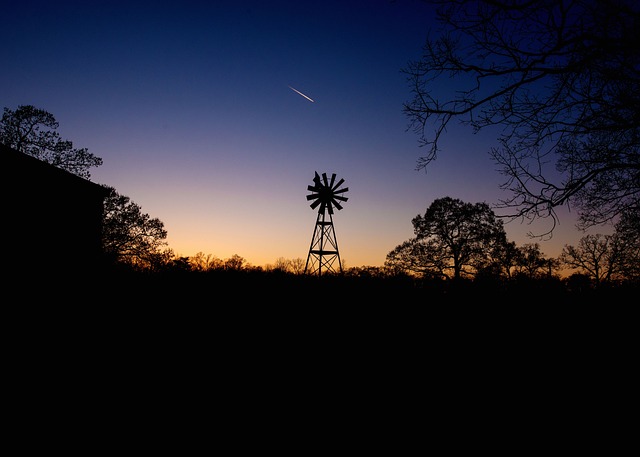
[[132, 237], [32, 131], [560, 80], [453, 239]]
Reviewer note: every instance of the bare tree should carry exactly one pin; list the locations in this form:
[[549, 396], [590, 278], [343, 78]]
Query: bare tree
[[282, 264], [597, 256], [561, 81], [533, 264], [205, 262], [235, 262], [297, 265], [628, 232]]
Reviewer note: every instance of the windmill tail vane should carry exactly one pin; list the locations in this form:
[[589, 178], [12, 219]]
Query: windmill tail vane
[[325, 195]]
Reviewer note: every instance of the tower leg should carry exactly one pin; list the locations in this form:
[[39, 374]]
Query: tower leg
[[323, 252]]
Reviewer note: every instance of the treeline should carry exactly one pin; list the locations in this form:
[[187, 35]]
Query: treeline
[[460, 251], [455, 242], [205, 276]]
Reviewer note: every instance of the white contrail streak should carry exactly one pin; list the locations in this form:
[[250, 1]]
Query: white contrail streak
[[300, 93]]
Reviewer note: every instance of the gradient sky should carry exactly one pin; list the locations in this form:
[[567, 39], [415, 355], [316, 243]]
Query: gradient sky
[[189, 106]]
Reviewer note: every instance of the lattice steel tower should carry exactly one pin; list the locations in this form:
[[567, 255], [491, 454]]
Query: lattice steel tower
[[323, 252]]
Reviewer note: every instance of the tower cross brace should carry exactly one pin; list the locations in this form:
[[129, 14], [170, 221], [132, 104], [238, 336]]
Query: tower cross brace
[[323, 252]]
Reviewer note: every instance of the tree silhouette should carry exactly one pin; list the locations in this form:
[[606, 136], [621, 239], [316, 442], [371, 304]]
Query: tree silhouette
[[453, 239], [205, 262], [597, 256], [235, 263], [628, 232], [132, 237], [32, 131], [533, 264], [561, 81]]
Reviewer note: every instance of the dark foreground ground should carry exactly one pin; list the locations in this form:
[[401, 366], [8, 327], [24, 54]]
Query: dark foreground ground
[[230, 288], [243, 310], [264, 360]]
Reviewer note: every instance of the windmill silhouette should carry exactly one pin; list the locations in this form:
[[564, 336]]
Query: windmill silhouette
[[323, 251]]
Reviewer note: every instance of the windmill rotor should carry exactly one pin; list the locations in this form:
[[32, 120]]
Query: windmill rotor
[[326, 194]]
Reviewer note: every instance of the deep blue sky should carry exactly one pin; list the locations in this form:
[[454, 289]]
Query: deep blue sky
[[188, 104]]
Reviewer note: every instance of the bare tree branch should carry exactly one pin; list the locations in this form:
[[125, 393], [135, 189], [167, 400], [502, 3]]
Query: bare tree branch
[[562, 81]]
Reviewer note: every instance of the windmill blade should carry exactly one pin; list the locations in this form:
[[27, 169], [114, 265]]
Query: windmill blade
[[325, 194], [338, 183]]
